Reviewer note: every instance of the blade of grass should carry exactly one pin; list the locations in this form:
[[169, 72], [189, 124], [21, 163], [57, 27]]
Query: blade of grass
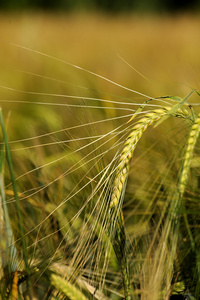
[[174, 108], [21, 228], [139, 110], [11, 252]]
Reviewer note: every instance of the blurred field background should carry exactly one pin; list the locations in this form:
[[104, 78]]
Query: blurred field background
[[152, 50], [164, 49]]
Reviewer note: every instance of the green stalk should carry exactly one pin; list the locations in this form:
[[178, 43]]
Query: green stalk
[[11, 251], [119, 247], [21, 228], [119, 185]]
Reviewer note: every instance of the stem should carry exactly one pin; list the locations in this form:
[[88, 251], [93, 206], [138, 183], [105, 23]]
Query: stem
[[119, 246], [21, 228]]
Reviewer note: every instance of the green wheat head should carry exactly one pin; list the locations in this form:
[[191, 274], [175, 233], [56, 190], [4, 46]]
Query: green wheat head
[[120, 180]]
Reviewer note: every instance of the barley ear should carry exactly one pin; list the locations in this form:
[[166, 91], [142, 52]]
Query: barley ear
[[67, 288], [194, 133], [119, 186], [193, 136], [128, 150]]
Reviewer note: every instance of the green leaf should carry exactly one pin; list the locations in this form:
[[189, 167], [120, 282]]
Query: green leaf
[[174, 108]]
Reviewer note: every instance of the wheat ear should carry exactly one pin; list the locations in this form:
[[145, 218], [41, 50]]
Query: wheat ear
[[193, 136], [177, 202], [194, 133], [128, 150], [67, 288], [119, 185]]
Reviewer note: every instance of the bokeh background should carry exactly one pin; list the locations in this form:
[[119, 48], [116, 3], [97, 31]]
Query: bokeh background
[[160, 39]]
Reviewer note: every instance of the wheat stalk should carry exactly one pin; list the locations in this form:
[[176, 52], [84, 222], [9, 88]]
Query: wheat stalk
[[119, 185], [183, 179], [177, 201], [193, 136], [119, 188], [171, 229]]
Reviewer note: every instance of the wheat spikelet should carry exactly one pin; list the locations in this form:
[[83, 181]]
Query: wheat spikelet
[[120, 184], [130, 145], [193, 136], [177, 202], [172, 224], [119, 188], [194, 133], [128, 149], [67, 288]]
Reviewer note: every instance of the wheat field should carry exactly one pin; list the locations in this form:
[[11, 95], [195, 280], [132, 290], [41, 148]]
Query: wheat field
[[99, 165]]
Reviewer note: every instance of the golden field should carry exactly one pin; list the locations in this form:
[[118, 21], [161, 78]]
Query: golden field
[[164, 49]]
